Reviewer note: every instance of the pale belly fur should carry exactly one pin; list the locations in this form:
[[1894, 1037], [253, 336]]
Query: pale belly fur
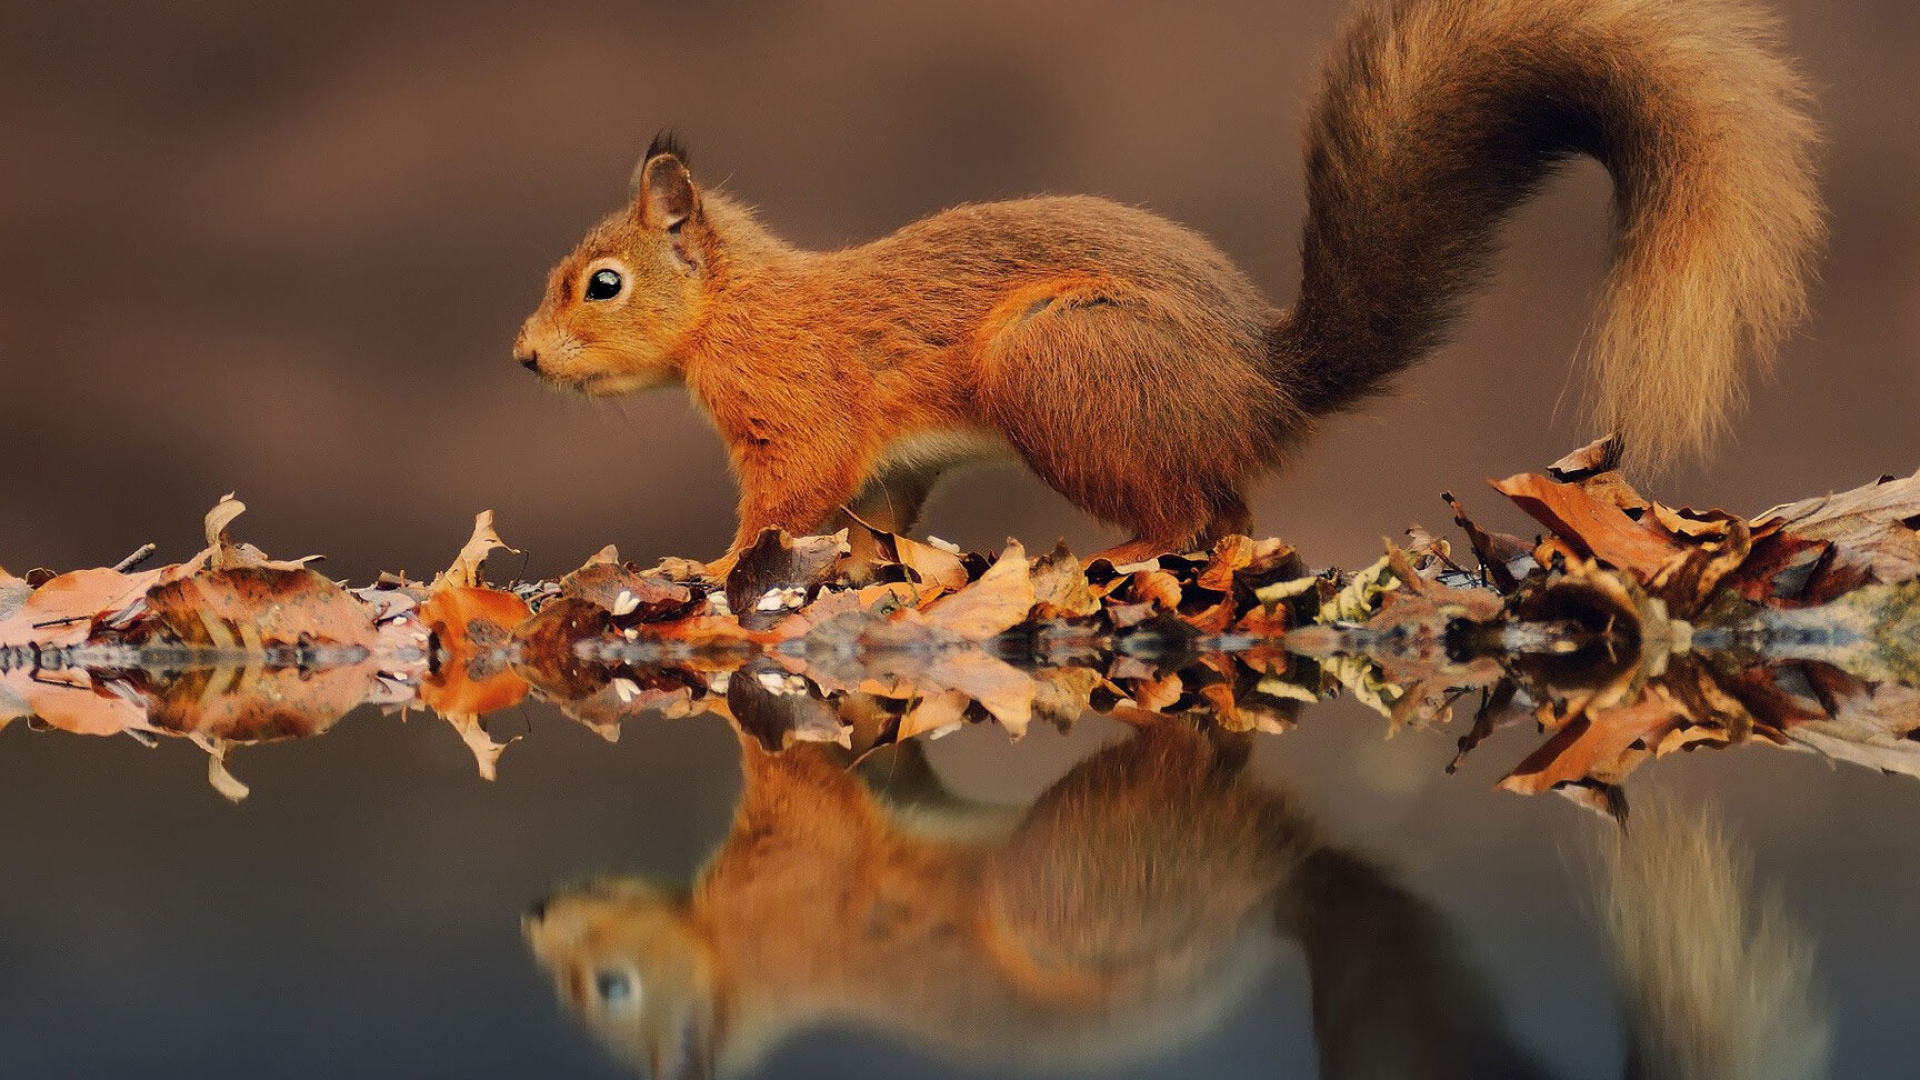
[[933, 451]]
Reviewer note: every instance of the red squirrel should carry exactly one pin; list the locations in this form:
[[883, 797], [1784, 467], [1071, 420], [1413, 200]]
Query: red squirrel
[[1137, 370]]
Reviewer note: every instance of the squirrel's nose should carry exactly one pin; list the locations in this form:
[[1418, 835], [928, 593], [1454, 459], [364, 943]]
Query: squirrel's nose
[[528, 358], [537, 910]]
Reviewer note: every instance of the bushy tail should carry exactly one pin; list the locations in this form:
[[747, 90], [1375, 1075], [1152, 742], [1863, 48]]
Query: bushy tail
[[1716, 984], [1438, 117]]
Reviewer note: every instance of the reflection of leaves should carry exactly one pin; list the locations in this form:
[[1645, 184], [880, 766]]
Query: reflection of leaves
[[934, 714], [72, 701], [252, 705], [779, 709], [1602, 746], [1003, 690], [13, 596], [1873, 725]]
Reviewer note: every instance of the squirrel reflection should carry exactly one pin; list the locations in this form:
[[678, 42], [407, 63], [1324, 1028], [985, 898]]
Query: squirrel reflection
[[1128, 907]]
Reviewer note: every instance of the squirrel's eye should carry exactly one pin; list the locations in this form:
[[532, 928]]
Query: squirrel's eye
[[612, 986], [603, 285]]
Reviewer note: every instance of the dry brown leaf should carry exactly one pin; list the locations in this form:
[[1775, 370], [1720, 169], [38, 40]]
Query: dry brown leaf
[[931, 565], [258, 607], [1264, 622], [222, 553], [777, 563], [1230, 555], [998, 602], [61, 612], [468, 619], [630, 595], [1497, 552], [1871, 525], [1060, 587], [1600, 455], [1719, 547], [1156, 587], [1211, 620], [465, 570], [1430, 554], [1595, 526], [547, 658]]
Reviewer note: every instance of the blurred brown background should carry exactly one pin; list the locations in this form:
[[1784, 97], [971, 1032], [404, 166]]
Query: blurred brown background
[[281, 249]]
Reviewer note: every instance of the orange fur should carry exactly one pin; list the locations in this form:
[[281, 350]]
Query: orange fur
[[1131, 906], [1124, 907], [1132, 366]]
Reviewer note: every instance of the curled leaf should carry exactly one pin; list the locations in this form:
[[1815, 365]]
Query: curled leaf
[[465, 570]]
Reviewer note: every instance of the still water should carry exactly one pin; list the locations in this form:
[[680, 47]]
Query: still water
[[369, 909], [939, 814]]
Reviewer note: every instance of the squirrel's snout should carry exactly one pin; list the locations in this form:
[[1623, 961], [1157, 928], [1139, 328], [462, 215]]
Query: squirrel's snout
[[524, 353]]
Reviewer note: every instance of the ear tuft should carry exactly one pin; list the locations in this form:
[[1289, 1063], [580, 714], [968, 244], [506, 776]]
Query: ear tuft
[[667, 142]]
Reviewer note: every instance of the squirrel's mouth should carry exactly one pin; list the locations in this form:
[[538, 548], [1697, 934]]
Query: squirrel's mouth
[[589, 385], [606, 385], [615, 384]]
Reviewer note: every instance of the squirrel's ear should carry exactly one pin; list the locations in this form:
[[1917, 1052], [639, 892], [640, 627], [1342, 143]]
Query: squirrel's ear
[[664, 195]]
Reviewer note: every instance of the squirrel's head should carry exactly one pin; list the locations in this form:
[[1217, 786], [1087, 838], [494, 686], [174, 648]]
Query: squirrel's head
[[627, 957], [617, 308]]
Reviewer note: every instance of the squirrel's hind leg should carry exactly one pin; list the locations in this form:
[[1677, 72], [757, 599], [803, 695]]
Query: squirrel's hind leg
[[1230, 517], [1142, 411]]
